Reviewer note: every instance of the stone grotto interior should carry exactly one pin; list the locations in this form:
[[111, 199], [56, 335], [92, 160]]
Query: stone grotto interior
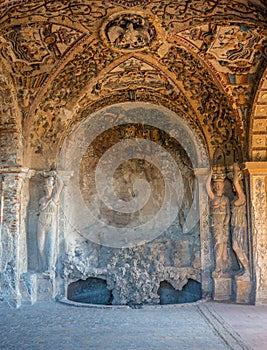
[[133, 151]]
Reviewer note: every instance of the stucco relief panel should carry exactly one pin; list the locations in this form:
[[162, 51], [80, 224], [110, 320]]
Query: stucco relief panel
[[216, 113], [74, 14], [31, 51], [129, 31], [237, 54], [176, 15]]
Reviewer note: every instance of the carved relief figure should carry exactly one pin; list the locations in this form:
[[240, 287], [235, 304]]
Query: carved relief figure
[[239, 226], [46, 231], [130, 32], [220, 220], [235, 42]]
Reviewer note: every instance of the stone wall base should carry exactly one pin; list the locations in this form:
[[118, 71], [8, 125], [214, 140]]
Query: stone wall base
[[261, 297], [243, 291], [35, 287], [223, 289]]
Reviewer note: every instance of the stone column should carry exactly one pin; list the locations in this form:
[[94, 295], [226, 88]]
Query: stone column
[[12, 179], [64, 225], [205, 236], [258, 204]]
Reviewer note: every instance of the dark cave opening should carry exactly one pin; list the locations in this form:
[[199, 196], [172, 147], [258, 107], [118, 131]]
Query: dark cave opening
[[169, 295], [90, 291]]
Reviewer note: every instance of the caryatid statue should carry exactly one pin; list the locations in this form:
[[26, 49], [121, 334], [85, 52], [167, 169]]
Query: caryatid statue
[[239, 226], [47, 223], [220, 222]]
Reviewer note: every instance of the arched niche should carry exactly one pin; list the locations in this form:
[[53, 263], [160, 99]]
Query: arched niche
[[119, 235]]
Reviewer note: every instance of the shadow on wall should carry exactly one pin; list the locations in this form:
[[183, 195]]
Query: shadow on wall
[[190, 293]]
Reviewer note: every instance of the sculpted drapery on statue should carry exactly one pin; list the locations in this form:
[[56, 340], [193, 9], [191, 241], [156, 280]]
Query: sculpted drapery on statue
[[220, 223], [228, 218], [239, 226], [47, 223], [228, 224]]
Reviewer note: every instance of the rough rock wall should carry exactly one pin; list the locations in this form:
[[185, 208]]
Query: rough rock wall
[[134, 274]]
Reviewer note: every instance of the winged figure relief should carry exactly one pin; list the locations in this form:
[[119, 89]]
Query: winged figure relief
[[129, 36]]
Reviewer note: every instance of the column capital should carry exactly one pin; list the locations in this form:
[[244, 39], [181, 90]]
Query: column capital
[[256, 168], [65, 175], [201, 173], [16, 170]]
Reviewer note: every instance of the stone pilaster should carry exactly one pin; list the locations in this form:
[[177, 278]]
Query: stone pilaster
[[12, 180], [61, 288], [258, 187], [205, 236]]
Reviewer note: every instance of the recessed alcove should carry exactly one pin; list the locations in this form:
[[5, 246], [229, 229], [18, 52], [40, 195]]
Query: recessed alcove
[[169, 295], [90, 291], [133, 199]]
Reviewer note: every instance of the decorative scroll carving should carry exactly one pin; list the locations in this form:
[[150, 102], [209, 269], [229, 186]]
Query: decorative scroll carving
[[134, 74], [37, 44], [83, 14], [235, 50], [76, 74], [131, 3], [32, 50], [213, 105], [50, 41], [236, 53], [176, 13], [66, 88]]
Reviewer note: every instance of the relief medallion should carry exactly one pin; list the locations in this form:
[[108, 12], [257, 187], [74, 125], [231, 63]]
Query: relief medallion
[[129, 31]]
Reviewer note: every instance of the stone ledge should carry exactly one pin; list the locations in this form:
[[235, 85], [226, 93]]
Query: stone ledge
[[256, 168]]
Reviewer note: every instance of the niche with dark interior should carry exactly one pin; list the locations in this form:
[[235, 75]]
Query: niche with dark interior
[[169, 295], [91, 291]]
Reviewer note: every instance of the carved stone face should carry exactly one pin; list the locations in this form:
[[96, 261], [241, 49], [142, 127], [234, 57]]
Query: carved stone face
[[48, 190], [49, 185], [218, 187]]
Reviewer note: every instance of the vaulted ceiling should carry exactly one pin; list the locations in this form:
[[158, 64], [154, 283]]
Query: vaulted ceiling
[[205, 60]]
